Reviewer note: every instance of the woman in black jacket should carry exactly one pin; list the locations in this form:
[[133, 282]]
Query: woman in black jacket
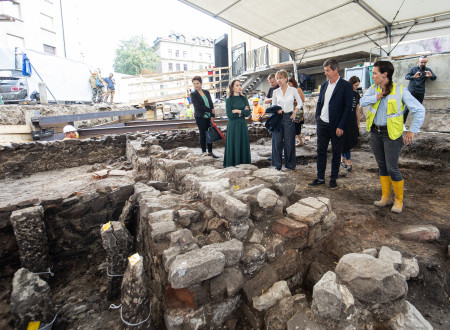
[[203, 112]]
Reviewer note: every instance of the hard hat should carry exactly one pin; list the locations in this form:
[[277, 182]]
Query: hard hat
[[69, 128], [255, 99]]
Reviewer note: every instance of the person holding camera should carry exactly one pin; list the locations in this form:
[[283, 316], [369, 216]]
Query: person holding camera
[[417, 76]]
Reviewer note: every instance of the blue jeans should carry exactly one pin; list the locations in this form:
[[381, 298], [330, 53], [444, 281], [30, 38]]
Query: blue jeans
[[386, 153], [284, 140], [324, 135], [347, 155]]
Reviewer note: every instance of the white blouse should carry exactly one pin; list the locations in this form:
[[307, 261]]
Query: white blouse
[[286, 101]]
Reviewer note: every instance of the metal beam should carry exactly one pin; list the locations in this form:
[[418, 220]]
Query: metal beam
[[50, 120]]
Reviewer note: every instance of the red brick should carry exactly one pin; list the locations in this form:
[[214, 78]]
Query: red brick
[[180, 298], [290, 228]]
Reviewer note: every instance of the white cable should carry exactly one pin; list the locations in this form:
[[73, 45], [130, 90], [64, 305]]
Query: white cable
[[50, 324], [49, 271], [127, 323], [111, 275]]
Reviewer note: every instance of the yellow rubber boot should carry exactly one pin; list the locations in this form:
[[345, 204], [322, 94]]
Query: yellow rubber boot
[[386, 196], [398, 191]]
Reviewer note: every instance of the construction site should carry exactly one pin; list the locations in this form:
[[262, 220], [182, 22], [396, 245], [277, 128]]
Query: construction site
[[131, 226]]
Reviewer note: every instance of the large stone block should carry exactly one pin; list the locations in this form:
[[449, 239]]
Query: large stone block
[[230, 281], [306, 214], [371, 280], [232, 250], [161, 216], [222, 311], [160, 230], [314, 203], [329, 298], [391, 256], [229, 207], [253, 258], [262, 281], [287, 264], [409, 268], [420, 233], [278, 291], [195, 266], [280, 181], [192, 297], [267, 198], [31, 237], [278, 316], [410, 320], [31, 299]]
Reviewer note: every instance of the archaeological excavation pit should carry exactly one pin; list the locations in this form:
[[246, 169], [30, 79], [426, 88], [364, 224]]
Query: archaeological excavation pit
[[145, 222]]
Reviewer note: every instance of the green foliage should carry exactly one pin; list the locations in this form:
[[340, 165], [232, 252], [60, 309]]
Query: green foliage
[[135, 55]]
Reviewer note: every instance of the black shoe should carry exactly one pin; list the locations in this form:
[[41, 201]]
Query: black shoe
[[269, 158], [212, 155], [333, 184], [349, 168], [316, 182], [344, 165]]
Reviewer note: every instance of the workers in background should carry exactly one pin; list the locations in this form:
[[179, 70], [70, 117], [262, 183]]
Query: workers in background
[[189, 112], [96, 86], [70, 132], [111, 88], [257, 112]]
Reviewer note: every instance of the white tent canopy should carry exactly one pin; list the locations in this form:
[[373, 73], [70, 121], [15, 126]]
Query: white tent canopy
[[309, 29]]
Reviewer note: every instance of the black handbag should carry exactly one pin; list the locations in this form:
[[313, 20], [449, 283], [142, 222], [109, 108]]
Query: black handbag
[[212, 135]]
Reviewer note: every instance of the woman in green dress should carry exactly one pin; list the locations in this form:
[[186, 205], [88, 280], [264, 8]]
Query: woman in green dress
[[237, 145]]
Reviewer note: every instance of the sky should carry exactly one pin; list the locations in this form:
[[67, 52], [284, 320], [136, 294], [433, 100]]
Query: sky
[[101, 24]]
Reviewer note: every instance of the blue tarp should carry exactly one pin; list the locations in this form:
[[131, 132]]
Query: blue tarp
[[26, 66]]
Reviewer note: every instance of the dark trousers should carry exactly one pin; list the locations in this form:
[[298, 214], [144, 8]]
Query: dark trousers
[[387, 152], [324, 135], [203, 125], [284, 140], [419, 97]]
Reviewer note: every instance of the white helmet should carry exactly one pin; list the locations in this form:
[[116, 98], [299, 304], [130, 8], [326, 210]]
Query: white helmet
[[69, 128]]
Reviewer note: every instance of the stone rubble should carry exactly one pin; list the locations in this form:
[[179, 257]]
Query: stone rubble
[[364, 291]]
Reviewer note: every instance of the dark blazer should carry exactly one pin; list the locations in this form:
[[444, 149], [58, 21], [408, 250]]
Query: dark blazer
[[273, 124], [199, 105], [340, 104]]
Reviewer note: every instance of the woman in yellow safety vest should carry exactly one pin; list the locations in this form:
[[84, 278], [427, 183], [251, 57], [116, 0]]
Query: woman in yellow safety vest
[[386, 102]]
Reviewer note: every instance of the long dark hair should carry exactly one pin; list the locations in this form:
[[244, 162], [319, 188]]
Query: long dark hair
[[386, 66], [293, 82], [230, 88]]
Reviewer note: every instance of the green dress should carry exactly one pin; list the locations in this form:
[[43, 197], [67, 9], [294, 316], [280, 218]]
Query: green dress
[[237, 145]]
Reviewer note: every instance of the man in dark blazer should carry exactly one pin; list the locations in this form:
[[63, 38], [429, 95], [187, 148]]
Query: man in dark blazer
[[333, 107]]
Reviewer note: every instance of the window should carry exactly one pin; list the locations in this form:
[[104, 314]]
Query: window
[[178, 67], [46, 22], [14, 41], [200, 66], [170, 67], [169, 52], [49, 49], [209, 57], [200, 55], [185, 67], [177, 53], [184, 54], [11, 9]]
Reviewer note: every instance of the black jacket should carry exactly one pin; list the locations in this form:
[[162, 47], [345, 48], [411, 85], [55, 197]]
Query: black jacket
[[199, 104], [340, 104], [273, 124], [417, 85]]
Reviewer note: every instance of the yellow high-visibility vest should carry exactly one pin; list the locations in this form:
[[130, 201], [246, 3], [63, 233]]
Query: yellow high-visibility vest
[[395, 109]]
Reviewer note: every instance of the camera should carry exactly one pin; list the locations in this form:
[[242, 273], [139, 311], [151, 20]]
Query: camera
[[423, 74]]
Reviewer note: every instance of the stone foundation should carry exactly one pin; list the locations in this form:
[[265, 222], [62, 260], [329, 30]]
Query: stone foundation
[[216, 241]]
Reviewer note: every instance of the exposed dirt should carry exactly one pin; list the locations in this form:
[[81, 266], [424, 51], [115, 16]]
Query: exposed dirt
[[360, 225]]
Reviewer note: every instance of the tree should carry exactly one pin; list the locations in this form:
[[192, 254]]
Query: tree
[[134, 55]]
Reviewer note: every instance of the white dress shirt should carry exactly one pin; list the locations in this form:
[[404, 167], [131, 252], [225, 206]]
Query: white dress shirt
[[286, 101], [325, 115]]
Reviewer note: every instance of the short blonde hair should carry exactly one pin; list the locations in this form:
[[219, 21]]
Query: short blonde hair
[[282, 74], [272, 75]]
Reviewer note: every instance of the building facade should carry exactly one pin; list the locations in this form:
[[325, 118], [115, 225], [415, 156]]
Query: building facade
[[35, 25], [179, 52]]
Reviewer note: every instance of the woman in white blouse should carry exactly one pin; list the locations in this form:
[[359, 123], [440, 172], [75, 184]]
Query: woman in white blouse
[[284, 139]]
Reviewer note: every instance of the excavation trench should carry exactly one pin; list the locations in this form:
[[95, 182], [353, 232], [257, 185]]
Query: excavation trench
[[171, 201]]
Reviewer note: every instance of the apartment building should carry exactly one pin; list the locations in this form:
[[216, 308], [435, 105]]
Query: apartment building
[[180, 52], [36, 25]]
